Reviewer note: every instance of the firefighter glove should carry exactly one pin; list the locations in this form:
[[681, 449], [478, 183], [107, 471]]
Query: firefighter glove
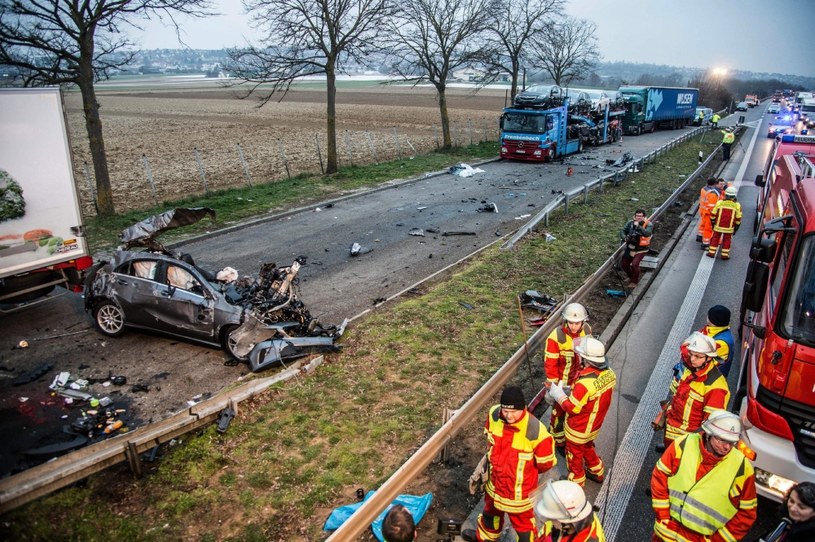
[[557, 393]]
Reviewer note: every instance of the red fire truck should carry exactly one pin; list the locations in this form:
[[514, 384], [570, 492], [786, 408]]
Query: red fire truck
[[776, 394]]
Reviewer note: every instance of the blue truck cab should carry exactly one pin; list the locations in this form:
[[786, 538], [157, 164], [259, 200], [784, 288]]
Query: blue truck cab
[[538, 134], [649, 108]]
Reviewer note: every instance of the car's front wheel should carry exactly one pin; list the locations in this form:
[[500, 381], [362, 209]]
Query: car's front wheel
[[109, 318], [229, 343]]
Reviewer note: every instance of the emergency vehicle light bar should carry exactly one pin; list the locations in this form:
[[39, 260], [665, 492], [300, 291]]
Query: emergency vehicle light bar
[[796, 138]]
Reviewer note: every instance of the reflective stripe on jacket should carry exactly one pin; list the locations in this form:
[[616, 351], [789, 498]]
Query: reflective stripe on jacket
[[558, 360], [588, 403], [518, 453], [696, 395], [704, 505], [726, 215]]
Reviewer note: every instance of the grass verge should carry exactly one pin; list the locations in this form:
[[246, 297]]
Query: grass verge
[[301, 449]]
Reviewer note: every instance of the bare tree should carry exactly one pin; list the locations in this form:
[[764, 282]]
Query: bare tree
[[568, 51], [56, 42], [433, 38], [308, 37], [514, 24]]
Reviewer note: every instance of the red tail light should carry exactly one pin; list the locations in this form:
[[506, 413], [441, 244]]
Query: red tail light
[[767, 421]]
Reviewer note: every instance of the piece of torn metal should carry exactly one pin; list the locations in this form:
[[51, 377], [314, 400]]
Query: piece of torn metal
[[490, 207], [532, 299], [451, 233], [418, 232]]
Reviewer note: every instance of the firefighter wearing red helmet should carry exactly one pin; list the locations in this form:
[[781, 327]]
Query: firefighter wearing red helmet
[[703, 488], [559, 363]]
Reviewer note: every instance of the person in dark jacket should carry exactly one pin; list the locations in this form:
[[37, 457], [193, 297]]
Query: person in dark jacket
[[798, 524]]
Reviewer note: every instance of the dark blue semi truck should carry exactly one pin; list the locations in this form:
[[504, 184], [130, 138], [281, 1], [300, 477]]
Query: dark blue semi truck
[[649, 108]]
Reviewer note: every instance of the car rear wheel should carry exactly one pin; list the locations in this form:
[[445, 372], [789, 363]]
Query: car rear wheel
[[109, 318], [229, 343]]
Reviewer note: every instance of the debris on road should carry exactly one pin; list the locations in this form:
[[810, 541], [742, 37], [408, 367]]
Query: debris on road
[[418, 232], [357, 249], [464, 170], [490, 207], [451, 233]]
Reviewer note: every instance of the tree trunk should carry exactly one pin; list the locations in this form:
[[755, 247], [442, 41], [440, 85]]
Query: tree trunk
[[93, 124], [331, 117], [445, 118], [513, 90]]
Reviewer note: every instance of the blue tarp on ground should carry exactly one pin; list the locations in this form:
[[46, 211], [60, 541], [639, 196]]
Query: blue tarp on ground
[[417, 505]]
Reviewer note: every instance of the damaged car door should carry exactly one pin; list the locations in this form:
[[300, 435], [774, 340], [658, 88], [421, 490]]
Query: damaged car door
[[184, 303]]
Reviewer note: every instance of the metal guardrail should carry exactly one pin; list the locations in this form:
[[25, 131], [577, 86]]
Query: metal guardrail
[[37, 481], [390, 489]]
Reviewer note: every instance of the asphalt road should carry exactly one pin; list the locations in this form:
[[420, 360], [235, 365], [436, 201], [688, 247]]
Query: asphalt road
[[335, 285]]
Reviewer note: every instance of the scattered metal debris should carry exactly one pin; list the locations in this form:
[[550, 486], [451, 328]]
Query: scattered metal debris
[[357, 249], [490, 207], [451, 233], [464, 170], [418, 232]]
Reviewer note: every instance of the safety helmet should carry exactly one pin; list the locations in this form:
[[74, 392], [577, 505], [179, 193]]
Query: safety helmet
[[730, 191], [563, 501], [700, 343], [724, 425], [574, 312], [592, 351]]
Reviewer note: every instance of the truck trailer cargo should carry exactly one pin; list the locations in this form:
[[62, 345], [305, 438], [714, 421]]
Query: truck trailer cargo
[[42, 238], [649, 108]]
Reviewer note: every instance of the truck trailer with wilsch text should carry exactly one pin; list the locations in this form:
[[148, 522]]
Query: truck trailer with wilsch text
[[649, 108], [42, 242]]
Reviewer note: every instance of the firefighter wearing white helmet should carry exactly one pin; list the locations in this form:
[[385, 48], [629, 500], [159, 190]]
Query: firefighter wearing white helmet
[[701, 388], [703, 487], [726, 219], [586, 406], [558, 361], [565, 513]]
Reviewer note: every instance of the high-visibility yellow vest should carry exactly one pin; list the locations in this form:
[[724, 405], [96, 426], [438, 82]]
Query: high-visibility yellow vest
[[729, 137], [704, 506]]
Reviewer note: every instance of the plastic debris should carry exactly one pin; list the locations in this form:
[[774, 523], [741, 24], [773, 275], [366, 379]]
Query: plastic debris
[[357, 249], [549, 237], [523, 216], [464, 170], [227, 274], [22, 344], [615, 293], [419, 232], [490, 207], [60, 380]]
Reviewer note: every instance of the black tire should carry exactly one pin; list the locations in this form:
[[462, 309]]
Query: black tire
[[109, 319], [229, 345], [23, 282]]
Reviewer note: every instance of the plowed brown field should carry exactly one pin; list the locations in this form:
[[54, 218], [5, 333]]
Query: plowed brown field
[[186, 140]]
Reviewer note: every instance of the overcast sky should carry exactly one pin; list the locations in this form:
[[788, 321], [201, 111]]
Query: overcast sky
[[753, 35]]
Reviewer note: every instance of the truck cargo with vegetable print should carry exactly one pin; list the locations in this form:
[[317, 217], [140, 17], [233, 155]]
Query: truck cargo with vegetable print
[[42, 243]]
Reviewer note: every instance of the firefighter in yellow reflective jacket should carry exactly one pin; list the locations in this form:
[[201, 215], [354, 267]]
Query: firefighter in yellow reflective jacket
[[727, 141], [726, 219], [520, 448], [586, 408], [703, 488]]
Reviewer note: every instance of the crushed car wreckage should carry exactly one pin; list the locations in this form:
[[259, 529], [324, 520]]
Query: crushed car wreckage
[[146, 286]]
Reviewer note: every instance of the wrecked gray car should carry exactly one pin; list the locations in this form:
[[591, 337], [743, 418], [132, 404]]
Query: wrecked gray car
[[145, 286]]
